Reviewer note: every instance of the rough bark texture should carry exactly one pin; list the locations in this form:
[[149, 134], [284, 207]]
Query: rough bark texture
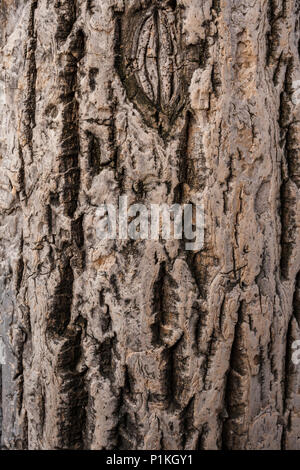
[[144, 345]]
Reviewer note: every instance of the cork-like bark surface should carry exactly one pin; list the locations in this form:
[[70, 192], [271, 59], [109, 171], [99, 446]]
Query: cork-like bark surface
[[141, 344]]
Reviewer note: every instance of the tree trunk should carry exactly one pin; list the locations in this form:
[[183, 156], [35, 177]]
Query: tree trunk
[[142, 344]]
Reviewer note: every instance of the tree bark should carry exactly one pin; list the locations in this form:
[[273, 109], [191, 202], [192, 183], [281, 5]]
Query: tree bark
[[142, 344]]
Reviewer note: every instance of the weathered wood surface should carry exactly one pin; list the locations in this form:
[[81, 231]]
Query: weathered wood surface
[[143, 345]]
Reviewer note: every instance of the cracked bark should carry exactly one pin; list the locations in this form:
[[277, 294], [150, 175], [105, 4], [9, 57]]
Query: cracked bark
[[144, 345]]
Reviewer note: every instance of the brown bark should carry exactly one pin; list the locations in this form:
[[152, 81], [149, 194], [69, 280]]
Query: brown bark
[[144, 345]]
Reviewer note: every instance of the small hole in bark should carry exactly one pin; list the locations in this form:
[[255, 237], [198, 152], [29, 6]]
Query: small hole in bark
[[51, 111], [77, 45], [94, 153], [173, 4], [90, 6], [93, 72], [54, 199]]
